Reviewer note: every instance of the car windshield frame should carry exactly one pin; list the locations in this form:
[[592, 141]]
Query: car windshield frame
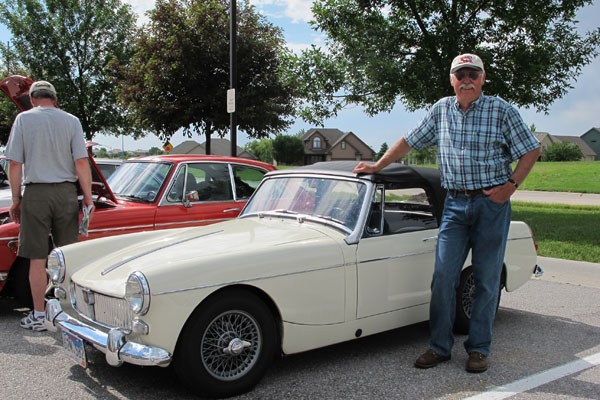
[[326, 199], [140, 181]]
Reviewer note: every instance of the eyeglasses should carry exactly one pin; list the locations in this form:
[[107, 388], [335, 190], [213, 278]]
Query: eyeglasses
[[460, 75]]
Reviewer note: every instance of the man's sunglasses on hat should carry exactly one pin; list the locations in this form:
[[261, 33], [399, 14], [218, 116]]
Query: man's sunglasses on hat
[[460, 74]]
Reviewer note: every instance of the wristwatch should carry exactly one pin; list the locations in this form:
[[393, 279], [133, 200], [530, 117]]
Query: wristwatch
[[511, 180]]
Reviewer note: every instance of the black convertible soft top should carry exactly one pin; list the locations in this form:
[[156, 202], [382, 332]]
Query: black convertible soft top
[[393, 173]]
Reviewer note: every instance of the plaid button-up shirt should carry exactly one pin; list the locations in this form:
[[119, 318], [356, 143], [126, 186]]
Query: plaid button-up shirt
[[475, 148]]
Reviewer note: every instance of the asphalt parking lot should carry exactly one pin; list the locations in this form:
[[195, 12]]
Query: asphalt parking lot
[[546, 338]]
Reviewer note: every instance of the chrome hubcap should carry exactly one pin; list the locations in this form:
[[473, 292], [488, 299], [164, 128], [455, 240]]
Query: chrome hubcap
[[467, 297], [231, 345]]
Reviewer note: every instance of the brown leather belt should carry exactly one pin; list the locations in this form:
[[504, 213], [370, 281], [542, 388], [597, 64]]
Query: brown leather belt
[[468, 193]]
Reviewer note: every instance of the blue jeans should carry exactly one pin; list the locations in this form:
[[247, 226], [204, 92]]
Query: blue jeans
[[468, 223]]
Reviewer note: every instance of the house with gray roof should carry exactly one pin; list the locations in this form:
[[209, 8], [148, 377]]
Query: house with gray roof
[[325, 144], [588, 153], [219, 147], [592, 139]]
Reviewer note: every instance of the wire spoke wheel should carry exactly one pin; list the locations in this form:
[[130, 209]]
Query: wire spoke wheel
[[467, 295], [231, 345]]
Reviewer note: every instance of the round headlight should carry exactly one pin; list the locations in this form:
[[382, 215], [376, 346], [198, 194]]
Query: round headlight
[[137, 293], [56, 266]]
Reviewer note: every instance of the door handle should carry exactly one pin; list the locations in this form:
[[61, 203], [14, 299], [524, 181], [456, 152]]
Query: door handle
[[427, 239], [231, 209]]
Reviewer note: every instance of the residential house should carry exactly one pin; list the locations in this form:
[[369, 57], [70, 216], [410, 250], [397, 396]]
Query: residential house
[[588, 153], [322, 144], [220, 147], [546, 140], [592, 139]]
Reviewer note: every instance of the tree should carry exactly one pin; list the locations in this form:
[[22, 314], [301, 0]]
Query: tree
[[383, 51], [70, 43], [180, 72], [9, 65], [427, 155], [155, 151], [288, 149], [262, 149], [382, 150], [562, 151]]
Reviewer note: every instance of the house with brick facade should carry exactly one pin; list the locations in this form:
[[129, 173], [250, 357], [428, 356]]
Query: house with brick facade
[[325, 144]]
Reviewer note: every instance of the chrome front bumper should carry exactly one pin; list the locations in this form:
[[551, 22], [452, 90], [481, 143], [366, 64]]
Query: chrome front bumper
[[113, 344]]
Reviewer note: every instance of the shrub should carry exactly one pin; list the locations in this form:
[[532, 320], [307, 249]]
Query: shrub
[[562, 151]]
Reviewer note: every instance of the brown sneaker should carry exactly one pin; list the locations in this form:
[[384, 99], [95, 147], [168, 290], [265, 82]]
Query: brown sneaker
[[430, 359], [477, 362]]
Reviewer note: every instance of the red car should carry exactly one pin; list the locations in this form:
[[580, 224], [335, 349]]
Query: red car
[[148, 193]]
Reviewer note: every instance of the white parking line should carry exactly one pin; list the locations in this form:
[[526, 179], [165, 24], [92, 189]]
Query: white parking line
[[539, 379]]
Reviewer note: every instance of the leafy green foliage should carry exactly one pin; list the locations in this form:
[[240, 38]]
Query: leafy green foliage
[[382, 51], [384, 147], [428, 155], [9, 65], [70, 43], [288, 149], [262, 149], [562, 151], [179, 74]]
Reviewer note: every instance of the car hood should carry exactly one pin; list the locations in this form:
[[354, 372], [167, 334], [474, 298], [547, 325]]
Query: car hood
[[181, 259]]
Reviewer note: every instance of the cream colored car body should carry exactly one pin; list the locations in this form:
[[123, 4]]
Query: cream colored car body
[[323, 296]]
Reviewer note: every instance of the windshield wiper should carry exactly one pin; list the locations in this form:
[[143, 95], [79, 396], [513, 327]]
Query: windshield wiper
[[327, 217], [132, 197]]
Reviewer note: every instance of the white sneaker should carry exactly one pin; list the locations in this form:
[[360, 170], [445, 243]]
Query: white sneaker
[[30, 322]]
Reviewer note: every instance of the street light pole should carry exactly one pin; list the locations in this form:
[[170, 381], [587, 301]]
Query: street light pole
[[233, 73]]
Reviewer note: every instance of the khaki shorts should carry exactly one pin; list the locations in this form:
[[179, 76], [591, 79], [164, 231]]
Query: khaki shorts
[[48, 208]]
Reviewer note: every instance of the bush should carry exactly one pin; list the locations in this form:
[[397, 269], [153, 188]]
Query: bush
[[288, 150], [562, 151]]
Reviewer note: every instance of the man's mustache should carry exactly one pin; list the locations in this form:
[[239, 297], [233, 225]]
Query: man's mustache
[[467, 86]]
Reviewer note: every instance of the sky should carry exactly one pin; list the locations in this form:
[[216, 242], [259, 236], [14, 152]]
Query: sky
[[573, 115]]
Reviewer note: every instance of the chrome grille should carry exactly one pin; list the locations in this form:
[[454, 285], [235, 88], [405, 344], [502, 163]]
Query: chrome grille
[[110, 311]]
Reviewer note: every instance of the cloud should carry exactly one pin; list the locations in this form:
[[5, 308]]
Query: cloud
[[297, 10], [140, 7]]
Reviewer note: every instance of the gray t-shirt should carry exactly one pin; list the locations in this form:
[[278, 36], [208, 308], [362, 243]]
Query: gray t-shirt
[[47, 141]]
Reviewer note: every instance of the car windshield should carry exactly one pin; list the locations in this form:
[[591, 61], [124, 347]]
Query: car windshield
[[335, 200], [139, 181]]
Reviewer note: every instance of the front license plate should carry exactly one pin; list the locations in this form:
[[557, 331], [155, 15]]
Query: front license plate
[[74, 348]]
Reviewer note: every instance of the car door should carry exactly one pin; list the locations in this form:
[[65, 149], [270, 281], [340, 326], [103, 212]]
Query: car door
[[396, 256], [200, 194]]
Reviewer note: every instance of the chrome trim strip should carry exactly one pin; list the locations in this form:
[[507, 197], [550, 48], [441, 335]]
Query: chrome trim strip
[[128, 259], [9, 238], [194, 222], [418, 253], [120, 228], [253, 279]]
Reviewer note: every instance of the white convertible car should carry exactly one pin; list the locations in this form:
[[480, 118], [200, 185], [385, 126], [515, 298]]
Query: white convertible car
[[318, 256]]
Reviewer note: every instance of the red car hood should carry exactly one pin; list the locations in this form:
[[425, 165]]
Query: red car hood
[[16, 87]]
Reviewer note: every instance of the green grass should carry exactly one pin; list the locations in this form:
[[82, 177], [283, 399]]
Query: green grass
[[578, 177], [563, 231]]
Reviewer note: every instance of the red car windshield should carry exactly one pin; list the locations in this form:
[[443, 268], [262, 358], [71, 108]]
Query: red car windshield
[[139, 181]]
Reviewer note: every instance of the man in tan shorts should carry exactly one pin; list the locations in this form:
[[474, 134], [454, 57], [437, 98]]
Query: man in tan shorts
[[48, 145]]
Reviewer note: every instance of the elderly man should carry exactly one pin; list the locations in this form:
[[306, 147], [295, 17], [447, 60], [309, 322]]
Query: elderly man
[[49, 143], [477, 137]]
